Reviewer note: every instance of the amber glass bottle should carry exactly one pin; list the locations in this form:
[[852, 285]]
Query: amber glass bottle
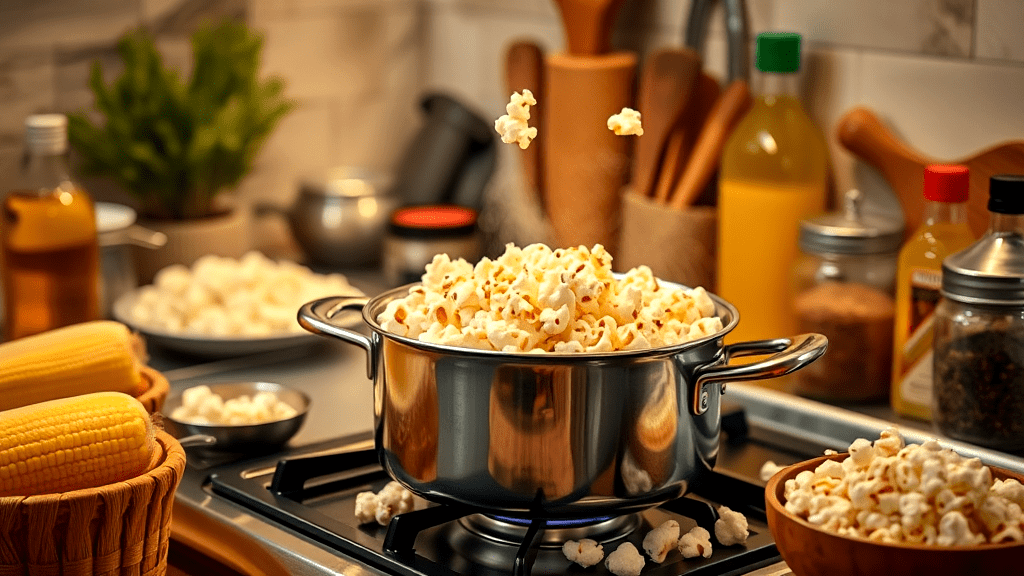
[[919, 279], [49, 256]]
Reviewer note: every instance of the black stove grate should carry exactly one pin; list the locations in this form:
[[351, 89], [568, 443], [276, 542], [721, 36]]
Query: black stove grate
[[314, 494]]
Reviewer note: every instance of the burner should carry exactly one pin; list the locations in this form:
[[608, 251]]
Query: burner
[[313, 491], [555, 532]]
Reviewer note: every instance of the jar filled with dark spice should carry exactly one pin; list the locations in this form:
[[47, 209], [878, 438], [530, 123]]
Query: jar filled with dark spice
[[978, 392]]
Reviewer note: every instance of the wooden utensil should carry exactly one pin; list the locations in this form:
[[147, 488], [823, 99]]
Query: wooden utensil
[[668, 79], [524, 69], [707, 151], [588, 24], [863, 134], [585, 163], [684, 133]]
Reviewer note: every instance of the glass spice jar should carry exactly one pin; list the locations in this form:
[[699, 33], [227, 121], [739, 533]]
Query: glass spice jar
[[416, 234], [978, 389], [843, 287]]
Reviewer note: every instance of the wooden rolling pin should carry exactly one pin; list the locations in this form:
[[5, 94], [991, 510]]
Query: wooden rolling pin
[[524, 69], [585, 163], [862, 133]]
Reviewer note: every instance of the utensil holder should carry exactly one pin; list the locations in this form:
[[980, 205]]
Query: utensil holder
[[677, 245]]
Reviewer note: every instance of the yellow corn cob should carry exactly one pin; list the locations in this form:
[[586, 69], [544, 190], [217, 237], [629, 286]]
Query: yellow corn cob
[[72, 443], [78, 359]]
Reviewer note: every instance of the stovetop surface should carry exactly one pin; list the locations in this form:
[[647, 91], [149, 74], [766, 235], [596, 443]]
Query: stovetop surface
[[313, 492]]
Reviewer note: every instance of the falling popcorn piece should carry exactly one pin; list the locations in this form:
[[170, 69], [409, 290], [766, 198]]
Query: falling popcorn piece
[[513, 126], [626, 123]]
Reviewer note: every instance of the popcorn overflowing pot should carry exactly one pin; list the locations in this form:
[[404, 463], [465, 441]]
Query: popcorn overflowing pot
[[488, 395]]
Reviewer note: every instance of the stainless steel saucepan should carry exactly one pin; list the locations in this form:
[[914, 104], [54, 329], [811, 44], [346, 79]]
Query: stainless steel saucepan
[[550, 435]]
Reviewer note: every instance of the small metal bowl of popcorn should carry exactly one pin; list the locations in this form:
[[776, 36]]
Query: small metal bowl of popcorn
[[878, 544], [236, 416]]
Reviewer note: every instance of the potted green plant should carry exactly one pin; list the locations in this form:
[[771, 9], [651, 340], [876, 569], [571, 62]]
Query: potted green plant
[[180, 146]]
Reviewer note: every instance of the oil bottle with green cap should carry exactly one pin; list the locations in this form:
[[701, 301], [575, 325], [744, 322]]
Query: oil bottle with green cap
[[774, 173]]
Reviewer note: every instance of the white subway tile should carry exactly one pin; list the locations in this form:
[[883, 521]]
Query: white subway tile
[[301, 143], [829, 87], [940, 27], [1000, 30], [31, 23], [328, 55], [947, 109], [26, 87]]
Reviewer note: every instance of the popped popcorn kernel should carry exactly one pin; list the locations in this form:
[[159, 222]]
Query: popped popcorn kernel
[[513, 126], [625, 560], [660, 541], [393, 499], [696, 542], [731, 527], [585, 552], [626, 123]]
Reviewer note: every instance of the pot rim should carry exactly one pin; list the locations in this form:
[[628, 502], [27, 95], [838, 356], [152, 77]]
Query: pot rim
[[724, 310]]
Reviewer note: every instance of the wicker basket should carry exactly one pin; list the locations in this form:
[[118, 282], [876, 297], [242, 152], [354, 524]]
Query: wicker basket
[[157, 388], [120, 529]]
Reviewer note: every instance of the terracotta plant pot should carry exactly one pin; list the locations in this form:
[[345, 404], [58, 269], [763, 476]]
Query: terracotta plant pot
[[227, 235]]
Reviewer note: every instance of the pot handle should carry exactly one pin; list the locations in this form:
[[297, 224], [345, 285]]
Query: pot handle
[[790, 354], [316, 317]]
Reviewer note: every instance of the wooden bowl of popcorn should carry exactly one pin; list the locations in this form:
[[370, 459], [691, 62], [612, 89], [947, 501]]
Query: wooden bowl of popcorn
[[895, 509]]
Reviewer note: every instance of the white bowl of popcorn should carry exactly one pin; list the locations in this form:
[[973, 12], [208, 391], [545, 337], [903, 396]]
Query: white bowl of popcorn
[[542, 382], [886, 507], [220, 306]]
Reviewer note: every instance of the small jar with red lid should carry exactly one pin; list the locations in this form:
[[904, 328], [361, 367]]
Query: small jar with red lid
[[418, 233]]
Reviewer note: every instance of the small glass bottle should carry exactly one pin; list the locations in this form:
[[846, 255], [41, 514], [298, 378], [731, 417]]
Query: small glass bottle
[[49, 254], [978, 387], [918, 280], [843, 285], [774, 173]]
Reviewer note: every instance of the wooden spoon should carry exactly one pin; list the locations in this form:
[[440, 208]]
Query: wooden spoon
[[588, 24], [668, 79], [684, 133], [862, 133], [524, 69], [707, 151]]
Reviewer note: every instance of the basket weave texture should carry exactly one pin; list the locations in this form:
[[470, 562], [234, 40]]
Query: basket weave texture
[[120, 529], [156, 392]]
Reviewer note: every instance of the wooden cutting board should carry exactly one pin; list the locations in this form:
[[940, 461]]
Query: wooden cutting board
[[863, 134]]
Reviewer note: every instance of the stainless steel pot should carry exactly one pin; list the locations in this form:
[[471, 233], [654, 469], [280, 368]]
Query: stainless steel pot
[[339, 217], [550, 435]]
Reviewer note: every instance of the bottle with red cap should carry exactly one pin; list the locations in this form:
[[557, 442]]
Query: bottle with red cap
[[918, 281]]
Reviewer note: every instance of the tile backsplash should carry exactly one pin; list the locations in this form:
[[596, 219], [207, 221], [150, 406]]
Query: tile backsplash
[[945, 75]]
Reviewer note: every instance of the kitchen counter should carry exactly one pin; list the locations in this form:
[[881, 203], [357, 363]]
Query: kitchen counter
[[333, 374]]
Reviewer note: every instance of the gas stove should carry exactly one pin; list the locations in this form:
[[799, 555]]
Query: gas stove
[[312, 491], [306, 522]]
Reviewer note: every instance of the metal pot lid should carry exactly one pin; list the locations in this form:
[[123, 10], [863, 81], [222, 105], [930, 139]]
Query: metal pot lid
[[850, 231], [991, 271], [345, 182]]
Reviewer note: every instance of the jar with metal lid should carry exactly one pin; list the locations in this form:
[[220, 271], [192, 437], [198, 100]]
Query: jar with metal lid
[[843, 287], [978, 389], [416, 234]]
